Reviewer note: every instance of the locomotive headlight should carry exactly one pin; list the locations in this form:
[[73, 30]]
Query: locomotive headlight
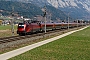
[[20, 25]]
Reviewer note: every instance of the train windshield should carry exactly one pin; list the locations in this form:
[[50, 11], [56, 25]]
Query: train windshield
[[21, 25]]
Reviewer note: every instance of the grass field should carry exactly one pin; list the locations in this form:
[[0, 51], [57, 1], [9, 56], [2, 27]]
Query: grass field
[[73, 47], [6, 27], [5, 31]]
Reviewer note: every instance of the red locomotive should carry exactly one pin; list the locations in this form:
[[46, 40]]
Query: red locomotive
[[36, 26]]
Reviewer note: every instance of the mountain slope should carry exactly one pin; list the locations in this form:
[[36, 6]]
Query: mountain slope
[[79, 8], [30, 10], [27, 10], [61, 3], [76, 8]]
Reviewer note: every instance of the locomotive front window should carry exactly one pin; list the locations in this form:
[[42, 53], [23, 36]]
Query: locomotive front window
[[21, 25]]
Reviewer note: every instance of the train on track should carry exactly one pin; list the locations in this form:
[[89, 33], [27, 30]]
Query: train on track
[[36, 26]]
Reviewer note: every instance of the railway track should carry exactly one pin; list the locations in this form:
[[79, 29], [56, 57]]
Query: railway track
[[15, 38]]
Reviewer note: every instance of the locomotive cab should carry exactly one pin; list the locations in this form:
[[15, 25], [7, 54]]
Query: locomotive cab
[[21, 28]]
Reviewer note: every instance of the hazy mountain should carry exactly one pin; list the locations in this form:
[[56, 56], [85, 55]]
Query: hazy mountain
[[30, 10], [85, 4], [77, 8]]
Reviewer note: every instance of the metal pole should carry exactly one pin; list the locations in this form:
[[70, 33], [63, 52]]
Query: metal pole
[[68, 21], [12, 27], [77, 23], [45, 24], [12, 22], [45, 17], [82, 22]]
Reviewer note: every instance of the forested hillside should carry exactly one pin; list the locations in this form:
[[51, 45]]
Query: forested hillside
[[29, 10]]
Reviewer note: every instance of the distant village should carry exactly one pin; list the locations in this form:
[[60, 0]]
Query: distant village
[[8, 20]]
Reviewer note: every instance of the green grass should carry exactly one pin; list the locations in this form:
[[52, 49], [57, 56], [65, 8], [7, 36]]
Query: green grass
[[5, 31], [73, 47], [7, 27]]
